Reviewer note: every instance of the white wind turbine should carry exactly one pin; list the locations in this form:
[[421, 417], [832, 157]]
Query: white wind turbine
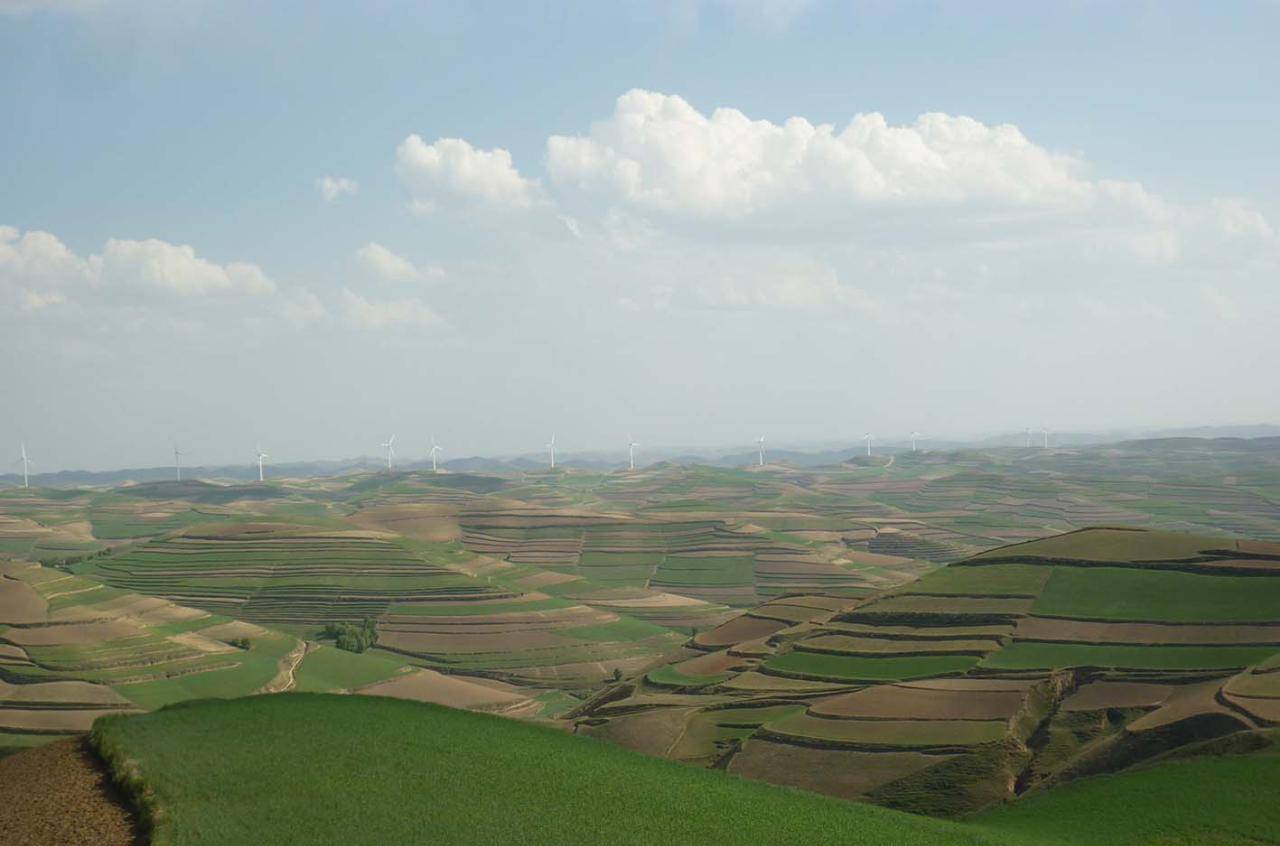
[[26, 462], [631, 451], [914, 437], [177, 461], [261, 455], [760, 446], [867, 438], [1046, 438], [1028, 439], [390, 445], [435, 450], [551, 448]]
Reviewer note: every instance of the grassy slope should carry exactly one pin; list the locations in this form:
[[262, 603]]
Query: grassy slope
[[307, 768], [1161, 806]]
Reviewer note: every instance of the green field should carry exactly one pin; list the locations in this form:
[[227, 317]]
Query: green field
[[326, 668], [1030, 655], [1117, 593], [362, 770]]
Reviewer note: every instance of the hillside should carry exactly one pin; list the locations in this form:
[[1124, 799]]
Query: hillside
[[1015, 669], [378, 771]]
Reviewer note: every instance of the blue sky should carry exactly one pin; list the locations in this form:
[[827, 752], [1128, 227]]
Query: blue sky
[[698, 303]]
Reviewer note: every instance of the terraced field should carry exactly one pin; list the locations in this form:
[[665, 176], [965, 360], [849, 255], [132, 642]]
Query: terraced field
[[1025, 666]]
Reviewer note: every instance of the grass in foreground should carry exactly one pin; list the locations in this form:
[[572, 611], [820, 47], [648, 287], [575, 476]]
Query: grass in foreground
[[312, 768]]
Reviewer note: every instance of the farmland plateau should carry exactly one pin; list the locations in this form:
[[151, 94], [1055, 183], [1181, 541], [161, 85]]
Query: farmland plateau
[[975, 635]]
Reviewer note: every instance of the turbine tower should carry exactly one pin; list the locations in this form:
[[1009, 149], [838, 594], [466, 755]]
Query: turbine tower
[[435, 450], [760, 446], [177, 461], [25, 464], [867, 438], [1028, 439], [391, 450], [631, 451], [551, 448], [1046, 438], [261, 456], [914, 437]]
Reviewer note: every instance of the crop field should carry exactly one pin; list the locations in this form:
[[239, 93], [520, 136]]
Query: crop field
[[490, 780], [1007, 671]]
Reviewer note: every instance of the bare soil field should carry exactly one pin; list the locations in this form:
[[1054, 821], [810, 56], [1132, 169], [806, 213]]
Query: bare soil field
[[61, 693], [1186, 702], [20, 603], [890, 701], [453, 691], [737, 630], [74, 634], [52, 720], [836, 772], [59, 795], [1100, 695]]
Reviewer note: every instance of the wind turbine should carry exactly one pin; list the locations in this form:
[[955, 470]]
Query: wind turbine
[[867, 438], [1028, 439], [914, 436], [435, 450], [760, 446], [25, 463], [177, 461], [391, 450], [551, 447], [261, 456], [631, 451], [1046, 438]]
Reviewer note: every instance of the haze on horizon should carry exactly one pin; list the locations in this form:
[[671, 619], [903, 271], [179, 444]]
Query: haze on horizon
[[694, 222]]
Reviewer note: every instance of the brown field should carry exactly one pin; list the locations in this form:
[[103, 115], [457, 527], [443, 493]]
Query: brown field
[[877, 734], [60, 693], [1083, 631], [1101, 695], [710, 664], [737, 630], [951, 605], [882, 646], [453, 691], [1254, 685], [918, 633], [52, 720], [434, 522], [1264, 709], [74, 634], [890, 701], [1187, 701], [651, 732], [20, 603], [972, 684], [836, 772], [60, 795], [760, 683], [461, 641]]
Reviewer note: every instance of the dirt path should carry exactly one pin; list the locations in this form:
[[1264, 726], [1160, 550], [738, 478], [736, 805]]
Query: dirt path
[[284, 679], [59, 795]]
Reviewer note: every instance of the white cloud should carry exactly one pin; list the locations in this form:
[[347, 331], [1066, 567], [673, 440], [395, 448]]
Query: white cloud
[[452, 171], [174, 268], [36, 300], [796, 286], [333, 188], [1223, 306], [384, 264], [658, 153], [39, 271], [1236, 218], [300, 308], [384, 314]]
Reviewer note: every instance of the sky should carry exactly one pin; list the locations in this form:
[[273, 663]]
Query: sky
[[307, 226]]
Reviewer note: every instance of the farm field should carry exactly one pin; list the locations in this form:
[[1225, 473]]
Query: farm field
[[959, 691], [497, 780]]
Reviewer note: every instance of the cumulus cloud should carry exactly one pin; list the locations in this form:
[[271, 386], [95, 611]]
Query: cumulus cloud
[[334, 188], [385, 314], [658, 153], [382, 263], [300, 308], [42, 271], [451, 171]]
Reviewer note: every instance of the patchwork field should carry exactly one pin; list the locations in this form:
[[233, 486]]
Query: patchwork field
[[987, 678]]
